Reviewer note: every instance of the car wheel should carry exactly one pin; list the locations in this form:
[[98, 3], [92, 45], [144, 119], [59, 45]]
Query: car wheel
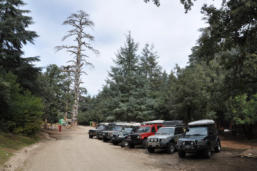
[[105, 140], [114, 143], [131, 145], [150, 150], [90, 136], [181, 154], [218, 147], [207, 153], [171, 148], [123, 144]]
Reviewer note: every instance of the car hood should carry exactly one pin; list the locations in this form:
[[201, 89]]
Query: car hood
[[160, 136], [192, 138], [110, 131]]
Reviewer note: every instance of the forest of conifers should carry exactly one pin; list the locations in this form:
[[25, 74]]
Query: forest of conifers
[[219, 82]]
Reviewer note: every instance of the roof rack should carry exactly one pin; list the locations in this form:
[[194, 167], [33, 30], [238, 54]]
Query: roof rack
[[202, 122], [173, 123]]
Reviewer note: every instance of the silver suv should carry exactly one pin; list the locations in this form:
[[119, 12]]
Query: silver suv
[[166, 137]]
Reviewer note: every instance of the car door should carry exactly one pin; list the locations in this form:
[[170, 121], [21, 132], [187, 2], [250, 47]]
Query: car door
[[212, 136], [178, 133]]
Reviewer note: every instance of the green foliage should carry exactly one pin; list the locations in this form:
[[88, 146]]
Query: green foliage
[[13, 35], [23, 110], [244, 109], [55, 90]]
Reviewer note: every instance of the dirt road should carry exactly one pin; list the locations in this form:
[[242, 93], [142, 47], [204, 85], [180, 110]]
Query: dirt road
[[74, 151]]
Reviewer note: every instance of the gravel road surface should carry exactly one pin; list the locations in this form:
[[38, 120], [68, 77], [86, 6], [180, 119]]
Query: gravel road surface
[[74, 151]]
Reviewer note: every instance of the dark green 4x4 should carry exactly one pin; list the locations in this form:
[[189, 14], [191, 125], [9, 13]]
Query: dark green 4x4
[[201, 137]]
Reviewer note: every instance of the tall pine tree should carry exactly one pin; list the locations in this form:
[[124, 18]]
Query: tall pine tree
[[14, 34]]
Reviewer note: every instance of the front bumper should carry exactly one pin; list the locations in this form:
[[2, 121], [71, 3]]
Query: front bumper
[[117, 139], [92, 133], [192, 148], [100, 135], [157, 145], [134, 141]]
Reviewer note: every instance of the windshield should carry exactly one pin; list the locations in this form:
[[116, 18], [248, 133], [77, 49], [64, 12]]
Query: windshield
[[144, 129], [166, 131], [117, 128], [101, 127], [128, 130], [197, 131]]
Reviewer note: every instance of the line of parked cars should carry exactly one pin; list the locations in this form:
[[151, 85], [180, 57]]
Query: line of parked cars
[[195, 137]]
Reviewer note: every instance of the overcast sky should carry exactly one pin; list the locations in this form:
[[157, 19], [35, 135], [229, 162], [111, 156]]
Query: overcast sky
[[168, 28]]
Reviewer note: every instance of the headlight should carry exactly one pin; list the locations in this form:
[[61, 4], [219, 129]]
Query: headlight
[[138, 137], [192, 143]]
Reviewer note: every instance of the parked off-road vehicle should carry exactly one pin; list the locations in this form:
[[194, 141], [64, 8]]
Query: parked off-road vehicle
[[93, 132], [119, 137], [201, 137], [114, 129], [166, 137], [140, 136], [99, 133]]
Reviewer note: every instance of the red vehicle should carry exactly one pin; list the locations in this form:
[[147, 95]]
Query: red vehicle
[[140, 136]]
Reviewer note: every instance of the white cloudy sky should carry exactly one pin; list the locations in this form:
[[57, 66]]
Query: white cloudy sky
[[172, 32]]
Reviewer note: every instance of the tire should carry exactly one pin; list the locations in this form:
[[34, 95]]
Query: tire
[[171, 148], [90, 136], [131, 145], [105, 140], [181, 154], [218, 147], [150, 150], [207, 153], [124, 144], [115, 143]]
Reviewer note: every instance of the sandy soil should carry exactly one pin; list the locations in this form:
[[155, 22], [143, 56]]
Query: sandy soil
[[74, 151]]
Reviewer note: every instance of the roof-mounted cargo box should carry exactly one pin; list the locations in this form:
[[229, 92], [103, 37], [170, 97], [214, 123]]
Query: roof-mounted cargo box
[[153, 122], [201, 122]]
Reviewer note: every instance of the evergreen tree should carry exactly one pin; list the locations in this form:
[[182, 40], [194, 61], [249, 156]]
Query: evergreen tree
[[123, 79], [13, 36]]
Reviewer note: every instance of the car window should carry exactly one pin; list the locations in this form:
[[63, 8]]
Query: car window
[[101, 127], [195, 131], [117, 128], [128, 130], [144, 129], [179, 131], [166, 131]]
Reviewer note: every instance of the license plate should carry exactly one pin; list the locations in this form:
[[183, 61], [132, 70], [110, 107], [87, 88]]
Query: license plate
[[154, 144], [188, 147]]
